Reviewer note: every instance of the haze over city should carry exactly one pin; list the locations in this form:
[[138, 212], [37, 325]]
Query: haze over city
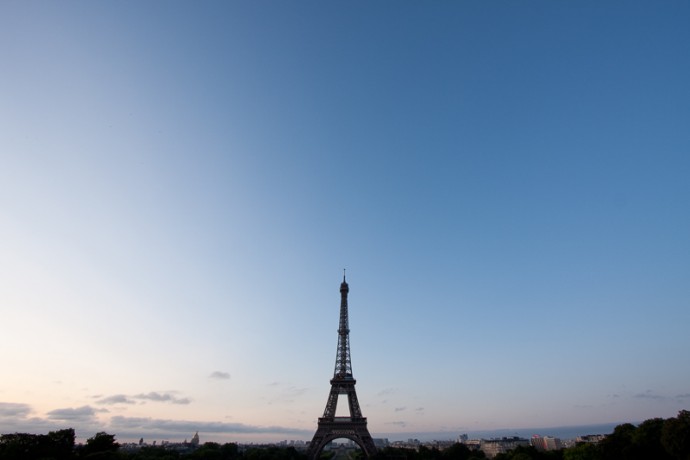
[[182, 184]]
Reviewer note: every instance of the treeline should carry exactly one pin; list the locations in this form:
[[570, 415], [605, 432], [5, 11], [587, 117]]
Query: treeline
[[56, 445], [60, 445], [653, 439], [455, 452]]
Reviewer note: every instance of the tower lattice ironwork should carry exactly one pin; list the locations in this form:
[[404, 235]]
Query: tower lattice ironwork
[[353, 427]]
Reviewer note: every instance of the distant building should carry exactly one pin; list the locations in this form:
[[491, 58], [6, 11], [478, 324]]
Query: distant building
[[546, 443], [381, 443], [552, 443], [493, 447], [195, 439], [473, 444], [590, 438]]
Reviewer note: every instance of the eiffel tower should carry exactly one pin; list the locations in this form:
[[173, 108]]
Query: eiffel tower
[[331, 427]]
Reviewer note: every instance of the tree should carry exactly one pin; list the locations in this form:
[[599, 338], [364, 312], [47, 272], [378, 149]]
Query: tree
[[208, 451], [101, 446], [214, 451], [56, 445], [152, 453], [619, 444], [675, 436], [429, 454], [17, 446], [394, 453], [457, 451], [584, 451], [61, 443], [646, 441], [274, 453], [229, 451]]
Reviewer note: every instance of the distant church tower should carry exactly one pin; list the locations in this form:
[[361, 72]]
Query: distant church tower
[[331, 427], [195, 439]]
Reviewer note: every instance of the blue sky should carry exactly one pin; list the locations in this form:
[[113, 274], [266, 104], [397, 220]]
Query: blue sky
[[182, 184]]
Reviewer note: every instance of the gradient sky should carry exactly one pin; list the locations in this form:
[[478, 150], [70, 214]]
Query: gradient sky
[[182, 184]]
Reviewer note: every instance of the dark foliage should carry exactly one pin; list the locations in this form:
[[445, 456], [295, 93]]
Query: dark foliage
[[101, 446], [215, 451], [675, 436], [151, 453], [56, 445], [393, 453], [584, 451], [274, 453], [455, 452], [461, 452], [530, 453]]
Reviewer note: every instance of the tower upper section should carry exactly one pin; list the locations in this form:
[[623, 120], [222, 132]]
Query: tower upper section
[[343, 364]]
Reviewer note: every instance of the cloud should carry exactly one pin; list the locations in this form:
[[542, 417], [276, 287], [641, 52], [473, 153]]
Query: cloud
[[115, 399], [683, 396], [14, 410], [183, 427], [14, 418], [649, 395], [294, 391], [150, 396], [162, 397], [398, 423], [399, 409], [386, 391], [286, 394], [79, 414], [220, 375]]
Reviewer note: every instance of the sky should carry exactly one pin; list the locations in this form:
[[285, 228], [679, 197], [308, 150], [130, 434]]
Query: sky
[[183, 183]]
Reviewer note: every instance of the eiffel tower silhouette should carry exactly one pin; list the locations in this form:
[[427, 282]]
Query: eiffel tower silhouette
[[331, 427]]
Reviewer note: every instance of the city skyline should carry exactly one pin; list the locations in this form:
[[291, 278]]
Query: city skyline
[[181, 186]]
